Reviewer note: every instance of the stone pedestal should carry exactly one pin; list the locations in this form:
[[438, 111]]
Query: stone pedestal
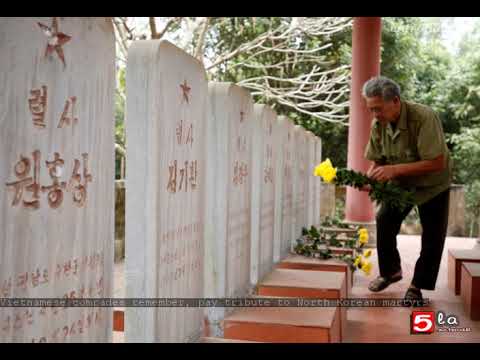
[[327, 194]]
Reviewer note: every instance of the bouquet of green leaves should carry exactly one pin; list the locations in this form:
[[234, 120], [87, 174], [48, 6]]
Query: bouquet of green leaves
[[382, 192]]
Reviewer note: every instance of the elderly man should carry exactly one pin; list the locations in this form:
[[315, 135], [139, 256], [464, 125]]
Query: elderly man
[[407, 146]]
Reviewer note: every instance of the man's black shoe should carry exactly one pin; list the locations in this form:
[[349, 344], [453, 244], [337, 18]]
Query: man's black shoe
[[381, 283], [413, 297]]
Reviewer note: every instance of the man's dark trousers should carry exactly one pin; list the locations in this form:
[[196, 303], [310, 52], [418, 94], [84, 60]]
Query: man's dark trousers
[[434, 220]]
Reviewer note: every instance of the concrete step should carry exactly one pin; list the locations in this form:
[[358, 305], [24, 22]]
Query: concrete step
[[222, 340], [337, 230], [284, 325], [299, 262], [303, 283], [337, 250], [306, 284], [342, 250]]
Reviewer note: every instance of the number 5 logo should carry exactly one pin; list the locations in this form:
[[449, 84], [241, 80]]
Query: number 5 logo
[[422, 322]]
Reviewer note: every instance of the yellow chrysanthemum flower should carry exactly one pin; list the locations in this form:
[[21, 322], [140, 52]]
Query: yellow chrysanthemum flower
[[362, 231], [363, 236], [326, 171], [327, 163], [367, 253], [357, 261], [367, 267], [320, 168], [363, 239], [329, 175]]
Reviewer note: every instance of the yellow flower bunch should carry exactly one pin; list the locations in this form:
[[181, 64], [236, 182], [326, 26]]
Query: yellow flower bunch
[[315, 243], [326, 171], [363, 264], [367, 267], [380, 191], [362, 236], [357, 260]]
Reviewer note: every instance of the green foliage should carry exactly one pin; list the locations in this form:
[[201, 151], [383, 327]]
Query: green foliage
[[400, 45], [119, 120], [467, 163], [467, 154], [462, 86], [381, 192], [414, 56], [336, 148], [336, 222]]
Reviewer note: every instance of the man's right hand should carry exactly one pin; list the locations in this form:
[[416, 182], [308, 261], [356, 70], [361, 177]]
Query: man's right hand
[[371, 169]]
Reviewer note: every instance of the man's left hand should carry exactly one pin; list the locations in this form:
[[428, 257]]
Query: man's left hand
[[384, 173]]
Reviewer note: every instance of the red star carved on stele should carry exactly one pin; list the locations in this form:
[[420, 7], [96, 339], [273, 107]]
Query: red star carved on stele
[[186, 90], [56, 39]]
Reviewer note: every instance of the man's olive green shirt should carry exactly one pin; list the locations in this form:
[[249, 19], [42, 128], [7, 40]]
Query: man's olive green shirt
[[418, 136]]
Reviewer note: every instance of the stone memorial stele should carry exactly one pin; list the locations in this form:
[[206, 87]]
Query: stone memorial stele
[[165, 190], [57, 77], [228, 197], [263, 191]]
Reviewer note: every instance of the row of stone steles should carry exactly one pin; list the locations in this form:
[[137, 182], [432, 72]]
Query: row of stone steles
[[217, 187], [227, 171]]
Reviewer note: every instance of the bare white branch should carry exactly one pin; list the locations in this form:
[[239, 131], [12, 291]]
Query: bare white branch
[[320, 91], [199, 50]]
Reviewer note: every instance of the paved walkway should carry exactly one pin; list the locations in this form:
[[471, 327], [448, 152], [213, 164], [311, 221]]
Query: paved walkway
[[388, 324], [393, 324]]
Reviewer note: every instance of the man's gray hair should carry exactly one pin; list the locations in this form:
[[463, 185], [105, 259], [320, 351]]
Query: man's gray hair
[[381, 86]]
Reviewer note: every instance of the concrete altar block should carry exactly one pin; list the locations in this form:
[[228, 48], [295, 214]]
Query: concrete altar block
[[285, 325], [298, 262], [222, 340], [470, 289], [306, 284], [455, 259]]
